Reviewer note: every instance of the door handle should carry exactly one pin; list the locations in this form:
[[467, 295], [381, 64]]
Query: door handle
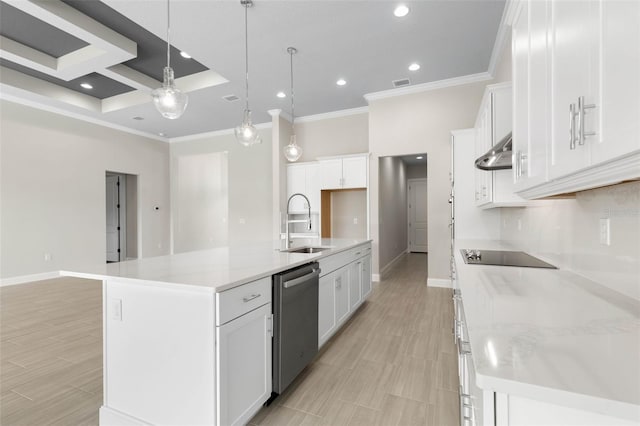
[[300, 280]]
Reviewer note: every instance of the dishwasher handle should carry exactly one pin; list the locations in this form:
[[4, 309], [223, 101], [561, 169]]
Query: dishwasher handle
[[296, 281]]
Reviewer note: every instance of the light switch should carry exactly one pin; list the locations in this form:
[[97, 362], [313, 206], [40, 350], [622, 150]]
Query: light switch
[[115, 306], [355, 220]]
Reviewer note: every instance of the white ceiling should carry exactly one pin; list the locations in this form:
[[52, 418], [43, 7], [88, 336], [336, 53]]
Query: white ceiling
[[360, 41]]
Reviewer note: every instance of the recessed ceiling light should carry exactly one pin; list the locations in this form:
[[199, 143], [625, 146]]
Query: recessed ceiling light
[[401, 11], [420, 157], [138, 118], [185, 55], [86, 86], [341, 82], [162, 134], [281, 95], [414, 67]]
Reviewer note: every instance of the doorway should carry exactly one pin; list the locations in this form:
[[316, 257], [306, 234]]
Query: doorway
[[402, 209], [121, 216]]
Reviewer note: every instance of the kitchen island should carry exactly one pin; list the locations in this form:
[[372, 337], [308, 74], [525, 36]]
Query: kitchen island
[[544, 346], [187, 337]]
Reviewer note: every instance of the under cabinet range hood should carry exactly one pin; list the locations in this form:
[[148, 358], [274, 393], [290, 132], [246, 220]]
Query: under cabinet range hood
[[498, 157]]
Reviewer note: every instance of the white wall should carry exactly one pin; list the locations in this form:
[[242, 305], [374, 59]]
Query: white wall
[[419, 123], [567, 233], [392, 184], [333, 136], [53, 190], [249, 183]]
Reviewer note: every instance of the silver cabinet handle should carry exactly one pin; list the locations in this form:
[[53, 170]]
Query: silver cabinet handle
[[300, 280], [251, 297], [581, 113], [572, 126]]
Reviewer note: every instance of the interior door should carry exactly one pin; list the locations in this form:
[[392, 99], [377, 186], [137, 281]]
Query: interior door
[[113, 218], [418, 215]]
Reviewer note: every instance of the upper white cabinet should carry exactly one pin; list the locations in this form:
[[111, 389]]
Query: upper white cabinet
[[303, 178], [344, 172], [494, 188], [576, 74]]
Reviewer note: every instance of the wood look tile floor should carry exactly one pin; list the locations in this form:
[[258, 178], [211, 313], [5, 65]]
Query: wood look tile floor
[[393, 363]]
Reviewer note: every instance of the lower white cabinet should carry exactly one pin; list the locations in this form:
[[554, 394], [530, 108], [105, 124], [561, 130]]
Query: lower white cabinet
[[243, 366], [355, 284], [341, 284], [345, 285], [366, 277]]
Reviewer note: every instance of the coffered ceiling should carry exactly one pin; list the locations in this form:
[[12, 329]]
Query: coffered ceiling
[[49, 47]]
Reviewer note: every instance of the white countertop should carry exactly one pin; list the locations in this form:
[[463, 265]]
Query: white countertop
[[551, 335], [216, 269]]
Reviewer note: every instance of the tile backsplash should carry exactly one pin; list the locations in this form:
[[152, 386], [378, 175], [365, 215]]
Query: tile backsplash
[[568, 234]]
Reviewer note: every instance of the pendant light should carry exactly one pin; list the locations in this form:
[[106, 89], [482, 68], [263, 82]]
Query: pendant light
[[169, 100], [246, 133], [293, 151]]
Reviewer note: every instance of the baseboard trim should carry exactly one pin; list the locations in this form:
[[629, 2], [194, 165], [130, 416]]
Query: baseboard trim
[[24, 279], [110, 417], [390, 264], [375, 278], [438, 282]]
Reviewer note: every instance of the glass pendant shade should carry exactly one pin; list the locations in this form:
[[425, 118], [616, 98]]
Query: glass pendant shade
[[293, 151], [169, 100], [246, 133]]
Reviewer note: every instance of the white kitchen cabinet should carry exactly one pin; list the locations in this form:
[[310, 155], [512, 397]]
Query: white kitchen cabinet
[[576, 72], [531, 123], [344, 172], [243, 366], [366, 276], [345, 283], [303, 178], [326, 308], [341, 284], [494, 188], [355, 284]]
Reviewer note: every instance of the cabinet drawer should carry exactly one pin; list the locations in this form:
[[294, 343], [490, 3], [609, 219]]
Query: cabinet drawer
[[238, 301], [338, 260]]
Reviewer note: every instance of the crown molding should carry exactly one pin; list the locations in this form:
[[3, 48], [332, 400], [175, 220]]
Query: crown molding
[[215, 133], [425, 87], [333, 114], [59, 111]]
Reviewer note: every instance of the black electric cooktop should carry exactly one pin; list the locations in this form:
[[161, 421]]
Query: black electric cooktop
[[503, 258]]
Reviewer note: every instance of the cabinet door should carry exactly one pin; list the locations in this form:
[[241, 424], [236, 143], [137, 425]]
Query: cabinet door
[[331, 174], [312, 190], [521, 75], [326, 308], [296, 183], [341, 284], [620, 112], [366, 276], [355, 285], [354, 172], [243, 366], [483, 140], [573, 50]]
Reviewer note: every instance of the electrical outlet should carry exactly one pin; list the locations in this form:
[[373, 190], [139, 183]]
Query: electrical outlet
[[115, 306], [355, 220], [605, 231], [242, 221], [519, 224], [47, 257]]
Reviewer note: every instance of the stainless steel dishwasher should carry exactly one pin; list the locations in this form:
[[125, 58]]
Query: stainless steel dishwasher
[[295, 317]]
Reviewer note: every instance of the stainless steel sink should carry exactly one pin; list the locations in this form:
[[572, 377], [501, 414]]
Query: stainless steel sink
[[307, 250]]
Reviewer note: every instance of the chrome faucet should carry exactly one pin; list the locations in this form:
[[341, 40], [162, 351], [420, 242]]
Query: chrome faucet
[[288, 241]]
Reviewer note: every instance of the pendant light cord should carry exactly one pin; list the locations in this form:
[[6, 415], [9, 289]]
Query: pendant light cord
[[168, 43], [293, 113], [246, 55]]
